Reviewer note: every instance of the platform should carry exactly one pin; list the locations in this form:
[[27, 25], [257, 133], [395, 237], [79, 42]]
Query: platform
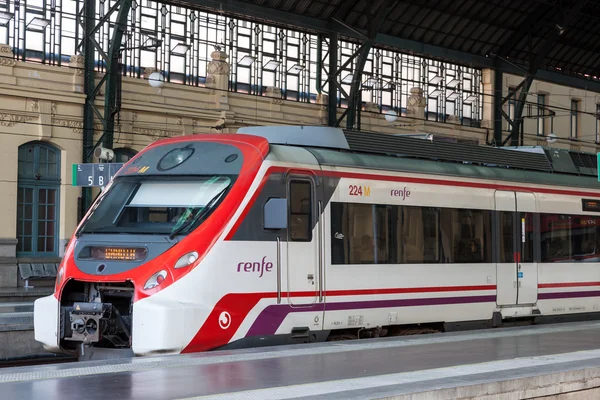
[[525, 362]]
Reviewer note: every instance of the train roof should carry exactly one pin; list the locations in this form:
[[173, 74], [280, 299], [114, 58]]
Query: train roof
[[406, 153]]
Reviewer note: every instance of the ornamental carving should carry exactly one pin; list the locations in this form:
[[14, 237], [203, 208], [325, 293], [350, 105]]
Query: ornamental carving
[[322, 98], [416, 98], [219, 64], [13, 119], [5, 50], [77, 59], [35, 106], [158, 133], [149, 70], [76, 126], [6, 56], [453, 119], [209, 80], [7, 62]]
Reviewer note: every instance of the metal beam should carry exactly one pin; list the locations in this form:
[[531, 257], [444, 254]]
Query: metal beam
[[112, 77], [319, 83], [374, 24], [88, 18], [331, 78], [112, 93], [498, 104], [110, 81], [354, 100]]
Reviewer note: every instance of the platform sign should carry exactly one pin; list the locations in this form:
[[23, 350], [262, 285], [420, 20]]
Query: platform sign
[[94, 175]]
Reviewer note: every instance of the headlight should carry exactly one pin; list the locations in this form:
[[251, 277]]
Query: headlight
[[59, 276], [155, 280], [186, 260]]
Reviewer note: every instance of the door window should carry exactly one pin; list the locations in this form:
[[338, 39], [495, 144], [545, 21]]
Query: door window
[[526, 237], [507, 242], [300, 217]]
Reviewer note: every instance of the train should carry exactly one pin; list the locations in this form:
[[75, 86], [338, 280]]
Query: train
[[299, 234]]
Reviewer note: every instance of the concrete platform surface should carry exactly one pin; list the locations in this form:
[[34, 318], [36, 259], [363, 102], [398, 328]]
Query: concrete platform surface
[[526, 362]]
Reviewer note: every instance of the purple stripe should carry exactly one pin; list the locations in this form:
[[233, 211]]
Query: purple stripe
[[269, 320], [568, 295]]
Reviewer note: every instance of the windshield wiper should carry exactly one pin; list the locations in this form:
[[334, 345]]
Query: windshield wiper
[[201, 214]]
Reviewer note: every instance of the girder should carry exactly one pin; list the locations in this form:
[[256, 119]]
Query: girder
[[111, 79]]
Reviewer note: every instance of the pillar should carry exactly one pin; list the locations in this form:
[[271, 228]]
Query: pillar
[[217, 78], [77, 63], [415, 109]]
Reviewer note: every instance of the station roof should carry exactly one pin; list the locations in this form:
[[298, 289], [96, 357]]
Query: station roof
[[564, 35]]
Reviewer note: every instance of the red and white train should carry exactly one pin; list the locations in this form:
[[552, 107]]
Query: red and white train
[[283, 234]]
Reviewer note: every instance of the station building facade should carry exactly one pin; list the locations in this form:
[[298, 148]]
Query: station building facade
[[219, 89]]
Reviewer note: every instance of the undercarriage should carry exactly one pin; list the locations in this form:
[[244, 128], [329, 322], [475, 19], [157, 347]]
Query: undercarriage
[[97, 315]]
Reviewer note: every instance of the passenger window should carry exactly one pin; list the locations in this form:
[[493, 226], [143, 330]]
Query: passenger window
[[507, 236], [569, 238], [466, 235], [420, 235], [300, 217], [362, 234], [389, 234], [555, 232]]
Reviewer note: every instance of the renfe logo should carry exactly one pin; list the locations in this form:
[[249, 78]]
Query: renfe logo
[[259, 267], [404, 193]]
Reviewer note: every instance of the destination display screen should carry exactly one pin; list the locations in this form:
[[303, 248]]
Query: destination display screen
[[113, 253], [591, 205], [116, 253]]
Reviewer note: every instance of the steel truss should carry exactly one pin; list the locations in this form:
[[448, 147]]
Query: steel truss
[[359, 58], [111, 81]]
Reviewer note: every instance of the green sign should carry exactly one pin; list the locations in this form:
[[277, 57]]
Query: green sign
[[94, 175]]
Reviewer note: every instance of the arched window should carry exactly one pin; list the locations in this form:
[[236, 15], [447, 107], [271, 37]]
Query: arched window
[[38, 199], [123, 155]]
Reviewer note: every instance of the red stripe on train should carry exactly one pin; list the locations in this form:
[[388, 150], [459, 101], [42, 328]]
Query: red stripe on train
[[233, 308], [567, 284], [396, 178]]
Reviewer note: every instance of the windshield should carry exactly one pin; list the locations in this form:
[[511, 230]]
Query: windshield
[[156, 206]]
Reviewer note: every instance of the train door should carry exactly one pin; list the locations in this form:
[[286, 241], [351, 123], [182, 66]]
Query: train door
[[527, 268], [516, 271], [303, 241]]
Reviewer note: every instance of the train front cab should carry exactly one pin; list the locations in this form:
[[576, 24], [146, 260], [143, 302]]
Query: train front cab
[[153, 225]]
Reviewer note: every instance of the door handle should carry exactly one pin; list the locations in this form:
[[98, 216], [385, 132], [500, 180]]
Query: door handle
[[310, 277], [278, 270]]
